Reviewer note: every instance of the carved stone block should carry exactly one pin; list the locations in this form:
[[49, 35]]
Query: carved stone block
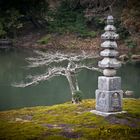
[[109, 83], [109, 101]]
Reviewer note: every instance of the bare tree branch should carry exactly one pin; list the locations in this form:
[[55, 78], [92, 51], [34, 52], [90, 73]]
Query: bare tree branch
[[58, 64], [36, 79], [55, 67]]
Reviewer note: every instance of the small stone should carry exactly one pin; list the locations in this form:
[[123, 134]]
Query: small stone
[[18, 119], [109, 72], [129, 93]]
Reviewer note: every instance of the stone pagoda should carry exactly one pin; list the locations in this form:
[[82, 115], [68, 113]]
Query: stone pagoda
[[109, 93]]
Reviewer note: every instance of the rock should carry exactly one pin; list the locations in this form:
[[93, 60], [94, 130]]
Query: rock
[[135, 57], [123, 57], [18, 120], [21, 120], [129, 93]]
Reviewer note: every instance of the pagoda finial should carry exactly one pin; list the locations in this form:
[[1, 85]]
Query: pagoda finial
[[110, 20]]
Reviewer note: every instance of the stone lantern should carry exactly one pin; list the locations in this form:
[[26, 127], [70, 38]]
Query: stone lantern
[[109, 93]]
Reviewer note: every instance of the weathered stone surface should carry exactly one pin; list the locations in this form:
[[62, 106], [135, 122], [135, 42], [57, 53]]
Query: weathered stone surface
[[109, 83], [109, 53], [109, 44], [109, 72], [109, 63], [109, 35], [109, 101], [110, 28]]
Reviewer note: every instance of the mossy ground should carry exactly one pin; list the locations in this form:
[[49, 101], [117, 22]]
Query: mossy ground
[[67, 121]]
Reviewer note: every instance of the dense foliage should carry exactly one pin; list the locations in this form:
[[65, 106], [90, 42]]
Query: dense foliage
[[65, 20], [82, 17], [14, 13]]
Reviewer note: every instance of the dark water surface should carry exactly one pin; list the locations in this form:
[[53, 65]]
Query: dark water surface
[[54, 91]]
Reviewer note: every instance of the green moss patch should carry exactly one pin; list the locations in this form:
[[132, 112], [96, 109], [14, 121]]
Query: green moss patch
[[69, 121]]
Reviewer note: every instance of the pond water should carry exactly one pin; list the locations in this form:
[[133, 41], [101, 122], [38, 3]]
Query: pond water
[[54, 91]]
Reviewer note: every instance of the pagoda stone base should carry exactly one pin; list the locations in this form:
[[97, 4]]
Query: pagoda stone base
[[109, 94], [105, 114], [109, 101]]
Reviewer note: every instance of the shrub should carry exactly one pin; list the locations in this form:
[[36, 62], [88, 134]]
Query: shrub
[[14, 13], [91, 34], [12, 21], [77, 96], [130, 43], [121, 30], [66, 19], [99, 22]]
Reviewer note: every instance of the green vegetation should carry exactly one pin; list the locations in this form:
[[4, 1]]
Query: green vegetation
[[14, 14], [132, 45], [82, 18], [64, 20], [77, 96], [9, 23], [130, 16], [67, 121], [45, 40], [2, 31], [121, 30]]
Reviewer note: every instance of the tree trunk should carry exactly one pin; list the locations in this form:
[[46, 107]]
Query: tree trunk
[[73, 83]]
